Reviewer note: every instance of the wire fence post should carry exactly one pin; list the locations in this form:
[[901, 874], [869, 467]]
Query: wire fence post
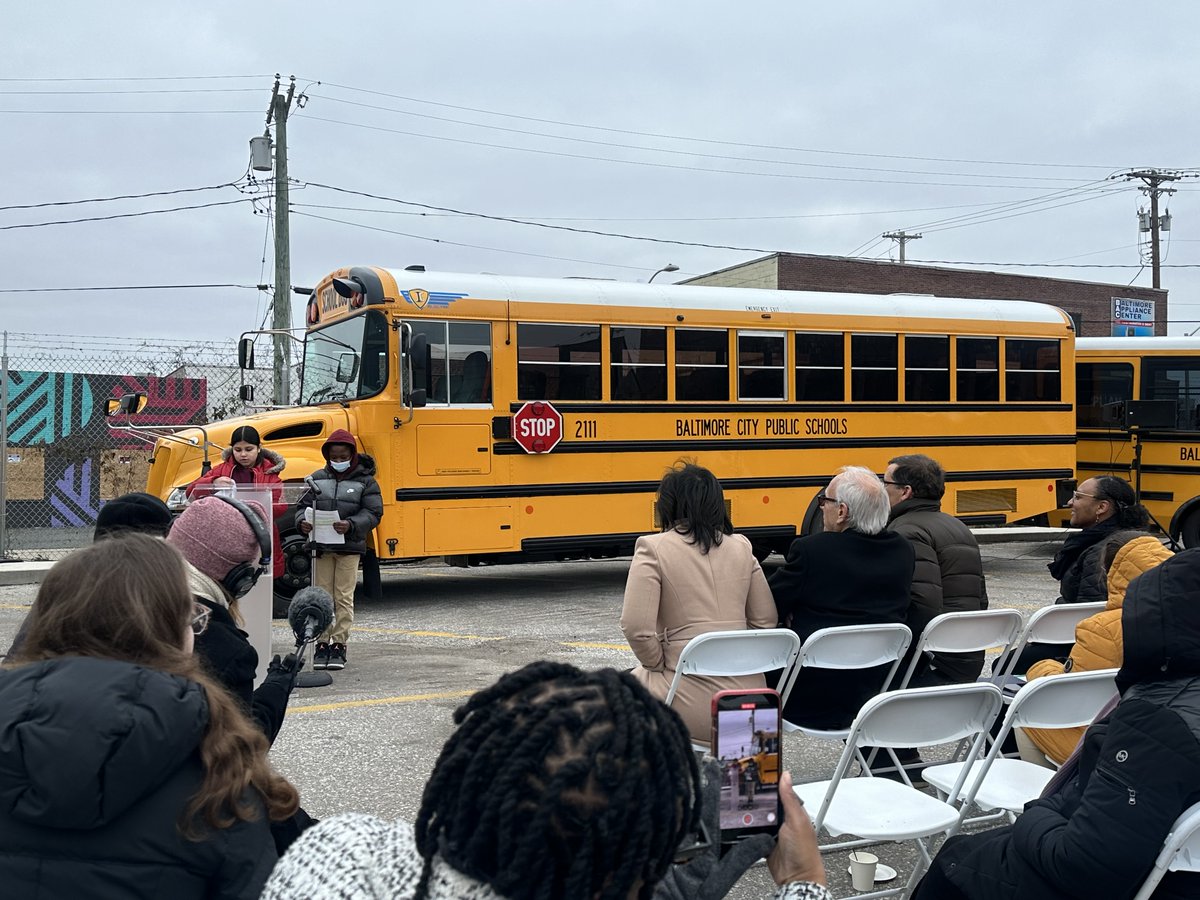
[[4, 446]]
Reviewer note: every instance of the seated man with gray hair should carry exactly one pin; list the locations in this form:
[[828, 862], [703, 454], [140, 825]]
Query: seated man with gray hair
[[852, 573]]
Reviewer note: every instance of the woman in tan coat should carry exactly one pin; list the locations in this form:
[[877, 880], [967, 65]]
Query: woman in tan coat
[[1098, 639], [693, 578]]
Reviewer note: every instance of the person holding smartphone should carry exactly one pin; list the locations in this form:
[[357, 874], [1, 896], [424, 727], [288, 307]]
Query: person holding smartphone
[[558, 784], [694, 577]]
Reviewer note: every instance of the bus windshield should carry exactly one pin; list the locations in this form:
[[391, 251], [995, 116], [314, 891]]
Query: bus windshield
[[346, 361]]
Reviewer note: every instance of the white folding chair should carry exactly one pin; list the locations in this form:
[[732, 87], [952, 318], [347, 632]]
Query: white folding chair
[[879, 809], [727, 653], [1048, 625], [1180, 852], [848, 647], [966, 632], [1056, 701]]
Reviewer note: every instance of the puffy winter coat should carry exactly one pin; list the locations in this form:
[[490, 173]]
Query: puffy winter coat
[[355, 494], [266, 475], [1138, 770], [947, 577], [1077, 564], [1098, 643], [98, 760]]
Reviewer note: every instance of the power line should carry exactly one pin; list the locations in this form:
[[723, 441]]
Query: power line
[[660, 165], [127, 287], [191, 190], [961, 262], [421, 237], [138, 78], [711, 140], [126, 112], [515, 221], [832, 215], [4, 93], [132, 215], [690, 153]]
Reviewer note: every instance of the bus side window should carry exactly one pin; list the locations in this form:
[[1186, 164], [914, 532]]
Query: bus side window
[[470, 362]]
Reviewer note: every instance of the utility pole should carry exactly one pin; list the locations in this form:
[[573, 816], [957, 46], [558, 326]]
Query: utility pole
[[1152, 181], [281, 304], [901, 237]]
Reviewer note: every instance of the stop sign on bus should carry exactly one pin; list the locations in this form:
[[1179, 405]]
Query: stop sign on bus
[[537, 427]]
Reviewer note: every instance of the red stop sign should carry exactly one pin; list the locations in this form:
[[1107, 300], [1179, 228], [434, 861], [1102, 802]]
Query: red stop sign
[[537, 427]]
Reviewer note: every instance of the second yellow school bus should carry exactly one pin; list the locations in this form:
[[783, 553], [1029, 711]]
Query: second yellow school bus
[[771, 390], [1144, 390]]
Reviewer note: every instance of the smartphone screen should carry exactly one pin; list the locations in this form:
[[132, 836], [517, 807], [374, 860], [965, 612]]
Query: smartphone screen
[[746, 744]]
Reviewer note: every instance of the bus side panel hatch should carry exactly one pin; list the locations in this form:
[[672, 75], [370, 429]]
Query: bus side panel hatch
[[472, 529]]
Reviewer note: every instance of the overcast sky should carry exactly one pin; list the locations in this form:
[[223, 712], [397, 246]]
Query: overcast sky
[[767, 126]]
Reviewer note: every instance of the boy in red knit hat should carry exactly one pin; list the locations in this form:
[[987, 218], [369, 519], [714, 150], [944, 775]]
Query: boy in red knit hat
[[346, 484]]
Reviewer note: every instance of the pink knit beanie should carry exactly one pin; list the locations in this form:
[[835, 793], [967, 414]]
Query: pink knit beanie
[[215, 537]]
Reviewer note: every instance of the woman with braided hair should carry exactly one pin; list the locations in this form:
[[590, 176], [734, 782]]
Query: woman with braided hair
[[558, 784]]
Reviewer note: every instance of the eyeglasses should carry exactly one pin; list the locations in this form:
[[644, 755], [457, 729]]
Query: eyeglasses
[[200, 617], [1075, 495], [823, 498], [893, 483]]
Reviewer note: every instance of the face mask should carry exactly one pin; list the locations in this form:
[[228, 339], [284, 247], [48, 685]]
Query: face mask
[[340, 466]]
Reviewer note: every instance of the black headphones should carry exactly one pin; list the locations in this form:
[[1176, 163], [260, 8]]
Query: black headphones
[[242, 577]]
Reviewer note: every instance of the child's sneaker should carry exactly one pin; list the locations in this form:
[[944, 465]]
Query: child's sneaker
[[321, 657], [337, 656]]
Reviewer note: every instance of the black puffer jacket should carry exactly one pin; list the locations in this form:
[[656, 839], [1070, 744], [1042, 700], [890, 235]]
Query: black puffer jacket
[[355, 494], [948, 577], [1077, 564], [98, 760], [1138, 770]]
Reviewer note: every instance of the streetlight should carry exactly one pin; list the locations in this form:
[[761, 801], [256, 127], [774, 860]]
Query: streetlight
[[669, 267]]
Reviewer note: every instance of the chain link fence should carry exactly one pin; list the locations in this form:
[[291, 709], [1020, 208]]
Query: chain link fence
[[61, 461]]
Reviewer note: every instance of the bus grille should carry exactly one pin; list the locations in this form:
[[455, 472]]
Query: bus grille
[[986, 500]]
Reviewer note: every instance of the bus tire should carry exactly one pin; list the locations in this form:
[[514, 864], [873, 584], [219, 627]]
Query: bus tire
[[1189, 530], [372, 581], [297, 566]]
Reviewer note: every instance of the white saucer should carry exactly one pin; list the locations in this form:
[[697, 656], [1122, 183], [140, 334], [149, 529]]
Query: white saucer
[[882, 873]]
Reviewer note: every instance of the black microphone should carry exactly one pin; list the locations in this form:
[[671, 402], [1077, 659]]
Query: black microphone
[[310, 613]]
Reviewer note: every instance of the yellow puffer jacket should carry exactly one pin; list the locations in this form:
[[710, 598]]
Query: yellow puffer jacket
[[1098, 640]]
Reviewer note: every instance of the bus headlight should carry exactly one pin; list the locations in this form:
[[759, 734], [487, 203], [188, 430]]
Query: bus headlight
[[177, 500]]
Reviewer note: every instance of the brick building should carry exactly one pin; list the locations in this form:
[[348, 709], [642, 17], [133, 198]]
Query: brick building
[[1089, 303]]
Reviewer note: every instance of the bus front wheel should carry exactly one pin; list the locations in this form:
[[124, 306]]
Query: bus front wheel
[[297, 563], [1189, 531]]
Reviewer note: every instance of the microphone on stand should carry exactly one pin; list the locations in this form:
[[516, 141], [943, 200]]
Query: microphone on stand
[[309, 614]]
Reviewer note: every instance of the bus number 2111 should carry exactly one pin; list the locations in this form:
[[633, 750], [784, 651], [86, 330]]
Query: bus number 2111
[[585, 428]]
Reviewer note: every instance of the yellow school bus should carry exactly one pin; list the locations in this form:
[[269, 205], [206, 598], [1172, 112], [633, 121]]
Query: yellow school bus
[[522, 418], [1139, 419]]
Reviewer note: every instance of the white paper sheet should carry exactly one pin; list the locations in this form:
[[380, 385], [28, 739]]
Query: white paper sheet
[[322, 522]]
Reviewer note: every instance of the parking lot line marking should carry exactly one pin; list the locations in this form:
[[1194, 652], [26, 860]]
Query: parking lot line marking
[[444, 634], [379, 701], [15, 606], [594, 645]]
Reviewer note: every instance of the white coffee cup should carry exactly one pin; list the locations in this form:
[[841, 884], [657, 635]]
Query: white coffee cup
[[862, 870]]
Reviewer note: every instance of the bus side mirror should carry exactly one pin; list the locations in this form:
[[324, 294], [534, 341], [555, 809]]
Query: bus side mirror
[[416, 399], [246, 353], [347, 367], [246, 393], [128, 404]]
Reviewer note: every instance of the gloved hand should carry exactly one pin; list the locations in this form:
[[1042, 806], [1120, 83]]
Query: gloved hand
[[284, 670], [709, 876]]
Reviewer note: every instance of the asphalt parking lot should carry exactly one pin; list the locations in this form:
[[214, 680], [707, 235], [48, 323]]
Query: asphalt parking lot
[[368, 741]]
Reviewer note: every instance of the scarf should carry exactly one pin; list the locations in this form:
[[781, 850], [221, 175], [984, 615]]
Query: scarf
[[1075, 544]]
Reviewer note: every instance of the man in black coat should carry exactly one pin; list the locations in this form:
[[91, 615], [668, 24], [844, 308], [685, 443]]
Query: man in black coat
[[852, 573], [949, 570], [1135, 771]]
